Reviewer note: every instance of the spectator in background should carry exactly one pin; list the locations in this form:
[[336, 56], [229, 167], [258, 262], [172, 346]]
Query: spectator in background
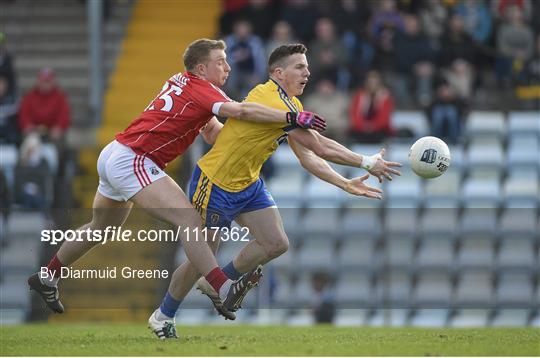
[[476, 19], [282, 34], [383, 26], [370, 111], [433, 18], [414, 62], [500, 7], [515, 44], [528, 89], [456, 44], [332, 105], [6, 66], [324, 308], [301, 15], [9, 130], [261, 15], [45, 108], [446, 113], [327, 55], [460, 77], [246, 56]]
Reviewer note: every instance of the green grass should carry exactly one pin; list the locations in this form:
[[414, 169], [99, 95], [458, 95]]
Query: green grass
[[136, 340]]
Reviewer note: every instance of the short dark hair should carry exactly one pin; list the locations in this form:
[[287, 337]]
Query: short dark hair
[[280, 54], [199, 52]]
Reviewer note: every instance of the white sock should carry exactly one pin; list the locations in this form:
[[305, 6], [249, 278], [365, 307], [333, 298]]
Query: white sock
[[225, 289], [160, 316], [50, 281]]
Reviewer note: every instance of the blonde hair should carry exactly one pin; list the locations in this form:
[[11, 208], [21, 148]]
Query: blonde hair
[[199, 51]]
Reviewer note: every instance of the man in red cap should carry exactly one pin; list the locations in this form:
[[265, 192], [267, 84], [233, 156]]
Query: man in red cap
[[45, 108]]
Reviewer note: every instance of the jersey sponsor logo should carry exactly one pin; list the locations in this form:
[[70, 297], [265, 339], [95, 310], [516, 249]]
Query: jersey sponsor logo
[[154, 170], [429, 156], [214, 218]]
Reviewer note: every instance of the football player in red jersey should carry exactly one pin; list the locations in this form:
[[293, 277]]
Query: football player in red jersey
[[131, 167]]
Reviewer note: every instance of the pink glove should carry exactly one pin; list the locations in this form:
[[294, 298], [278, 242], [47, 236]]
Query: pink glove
[[308, 120]]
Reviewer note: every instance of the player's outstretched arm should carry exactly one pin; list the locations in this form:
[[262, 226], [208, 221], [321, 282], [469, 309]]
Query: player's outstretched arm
[[255, 112], [322, 170], [334, 152], [211, 130]]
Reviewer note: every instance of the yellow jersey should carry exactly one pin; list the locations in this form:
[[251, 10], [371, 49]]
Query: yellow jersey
[[241, 148]]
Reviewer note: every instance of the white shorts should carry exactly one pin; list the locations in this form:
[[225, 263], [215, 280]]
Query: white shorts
[[123, 173]]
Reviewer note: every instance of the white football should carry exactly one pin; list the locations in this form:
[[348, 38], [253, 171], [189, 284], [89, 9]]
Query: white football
[[429, 157]]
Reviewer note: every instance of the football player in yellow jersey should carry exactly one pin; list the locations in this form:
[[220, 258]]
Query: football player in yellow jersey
[[226, 186]]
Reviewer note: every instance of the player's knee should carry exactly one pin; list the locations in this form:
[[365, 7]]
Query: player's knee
[[277, 248]]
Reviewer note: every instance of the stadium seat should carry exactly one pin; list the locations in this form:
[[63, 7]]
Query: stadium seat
[[353, 289], [414, 121], [474, 289], [435, 251], [302, 318], [443, 192], [321, 221], [515, 290], [485, 153], [511, 318], [518, 221], [290, 218], [287, 188], [399, 152], [399, 251], [516, 252], [284, 158], [478, 221], [433, 289], [470, 318], [356, 252], [361, 221], [350, 317], [283, 293], [457, 158], [480, 123], [476, 251], [394, 289], [303, 292], [521, 189], [405, 192], [429, 318], [524, 123], [523, 151], [317, 251], [401, 221], [320, 194], [442, 221], [481, 192]]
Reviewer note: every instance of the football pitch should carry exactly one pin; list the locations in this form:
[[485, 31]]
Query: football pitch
[[235, 340]]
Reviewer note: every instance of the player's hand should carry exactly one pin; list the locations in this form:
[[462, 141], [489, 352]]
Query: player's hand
[[356, 186], [383, 169], [307, 120]]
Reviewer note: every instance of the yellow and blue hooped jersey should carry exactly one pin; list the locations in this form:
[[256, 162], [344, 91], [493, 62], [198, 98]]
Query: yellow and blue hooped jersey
[[241, 148]]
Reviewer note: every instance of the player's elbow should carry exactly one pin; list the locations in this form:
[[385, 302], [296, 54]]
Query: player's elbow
[[241, 111]]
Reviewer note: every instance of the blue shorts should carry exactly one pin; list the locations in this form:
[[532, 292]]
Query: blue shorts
[[218, 207]]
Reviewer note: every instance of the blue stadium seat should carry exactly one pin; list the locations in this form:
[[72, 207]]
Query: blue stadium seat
[[511, 318], [435, 251], [481, 192], [316, 252], [516, 252], [433, 289], [521, 189], [457, 158], [478, 221], [284, 158], [349, 317], [443, 192], [290, 218], [320, 194], [470, 318], [283, 294], [485, 153], [439, 221], [415, 121], [353, 289], [394, 289], [405, 192], [361, 221], [430, 318], [401, 221], [515, 290], [399, 152], [399, 251], [523, 151], [321, 221], [287, 188], [524, 123], [474, 289], [356, 252], [481, 123], [476, 251], [518, 221]]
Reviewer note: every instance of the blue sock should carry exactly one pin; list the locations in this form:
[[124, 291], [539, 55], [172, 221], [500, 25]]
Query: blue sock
[[169, 305], [232, 272]]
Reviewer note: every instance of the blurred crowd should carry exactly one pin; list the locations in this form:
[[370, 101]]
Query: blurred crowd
[[32, 135], [368, 58]]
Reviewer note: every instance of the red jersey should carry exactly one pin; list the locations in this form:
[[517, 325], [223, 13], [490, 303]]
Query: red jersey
[[172, 121]]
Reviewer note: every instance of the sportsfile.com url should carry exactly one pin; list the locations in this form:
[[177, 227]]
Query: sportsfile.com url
[[117, 234]]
